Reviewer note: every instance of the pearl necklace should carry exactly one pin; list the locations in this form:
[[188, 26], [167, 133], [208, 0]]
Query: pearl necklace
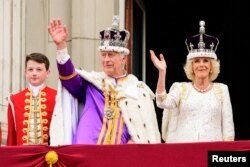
[[202, 90]]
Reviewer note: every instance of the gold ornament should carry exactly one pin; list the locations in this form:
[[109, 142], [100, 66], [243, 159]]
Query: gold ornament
[[51, 158]]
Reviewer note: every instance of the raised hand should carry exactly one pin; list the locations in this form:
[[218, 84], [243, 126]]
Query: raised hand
[[160, 64], [58, 32]]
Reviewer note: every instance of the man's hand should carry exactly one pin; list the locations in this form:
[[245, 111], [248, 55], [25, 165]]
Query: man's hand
[[59, 33]]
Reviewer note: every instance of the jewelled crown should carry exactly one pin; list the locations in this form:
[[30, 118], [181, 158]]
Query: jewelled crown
[[114, 39], [202, 45]]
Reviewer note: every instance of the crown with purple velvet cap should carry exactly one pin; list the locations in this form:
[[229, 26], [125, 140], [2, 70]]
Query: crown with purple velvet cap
[[202, 45], [114, 39]]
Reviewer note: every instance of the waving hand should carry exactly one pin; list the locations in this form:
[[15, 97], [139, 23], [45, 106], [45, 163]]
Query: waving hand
[[58, 32], [160, 64]]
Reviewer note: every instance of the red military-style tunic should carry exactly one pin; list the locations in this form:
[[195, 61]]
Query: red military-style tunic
[[29, 117]]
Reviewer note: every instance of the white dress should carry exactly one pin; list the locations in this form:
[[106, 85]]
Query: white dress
[[197, 116]]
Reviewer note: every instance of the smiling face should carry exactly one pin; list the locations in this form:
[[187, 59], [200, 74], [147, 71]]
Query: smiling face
[[36, 73], [113, 63], [201, 67]]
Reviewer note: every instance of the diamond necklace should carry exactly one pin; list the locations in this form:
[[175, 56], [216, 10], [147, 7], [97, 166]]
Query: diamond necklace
[[202, 90]]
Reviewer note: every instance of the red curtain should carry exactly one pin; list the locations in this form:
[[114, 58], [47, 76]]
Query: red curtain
[[138, 155]]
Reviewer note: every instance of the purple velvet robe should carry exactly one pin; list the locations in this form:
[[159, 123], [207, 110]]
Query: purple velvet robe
[[91, 119]]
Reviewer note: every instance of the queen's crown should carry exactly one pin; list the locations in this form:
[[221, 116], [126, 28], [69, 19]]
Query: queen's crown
[[202, 45]]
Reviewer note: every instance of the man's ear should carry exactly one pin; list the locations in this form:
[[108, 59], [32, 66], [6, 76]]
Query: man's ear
[[48, 73], [124, 57]]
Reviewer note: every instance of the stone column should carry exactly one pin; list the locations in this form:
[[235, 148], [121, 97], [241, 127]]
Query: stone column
[[89, 17]]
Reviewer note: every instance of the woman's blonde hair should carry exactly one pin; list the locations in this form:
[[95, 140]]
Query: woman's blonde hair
[[215, 69]]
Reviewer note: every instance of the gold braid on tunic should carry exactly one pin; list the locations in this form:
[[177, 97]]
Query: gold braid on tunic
[[35, 119]]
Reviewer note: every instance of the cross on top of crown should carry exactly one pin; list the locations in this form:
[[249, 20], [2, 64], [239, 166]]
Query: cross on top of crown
[[115, 23]]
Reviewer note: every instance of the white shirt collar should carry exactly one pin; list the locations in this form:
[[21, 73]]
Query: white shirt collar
[[35, 89]]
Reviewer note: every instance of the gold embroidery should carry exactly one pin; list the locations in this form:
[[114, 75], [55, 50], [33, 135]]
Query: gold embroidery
[[27, 94], [34, 127], [111, 102], [219, 91], [26, 114], [25, 130], [111, 115], [27, 107], [44, 113], [43, 106], [24, 137], [43, 93], [45, 128], [69, 76], [43, 99], [140, 85], [102, 131], [27, 101], [120, 130], [45, 121], [183, 92], [108, 136], [45, 136], [25, 122]]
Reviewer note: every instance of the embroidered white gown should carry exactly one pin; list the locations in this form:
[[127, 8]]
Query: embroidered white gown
[[197, 116]]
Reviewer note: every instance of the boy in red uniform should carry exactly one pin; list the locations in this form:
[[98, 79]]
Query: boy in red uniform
[[30, 111]]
